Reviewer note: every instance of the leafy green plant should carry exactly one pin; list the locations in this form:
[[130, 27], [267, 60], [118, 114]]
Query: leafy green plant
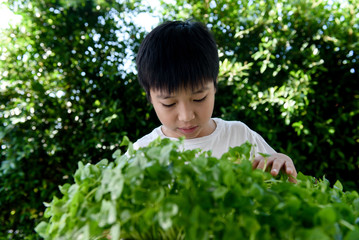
[[160, 192]]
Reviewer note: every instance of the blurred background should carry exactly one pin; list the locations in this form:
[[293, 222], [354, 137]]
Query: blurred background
[[69, 91]]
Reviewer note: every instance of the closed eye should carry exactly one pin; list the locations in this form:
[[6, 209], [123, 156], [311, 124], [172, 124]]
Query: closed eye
[[200, 100], [168, 105]]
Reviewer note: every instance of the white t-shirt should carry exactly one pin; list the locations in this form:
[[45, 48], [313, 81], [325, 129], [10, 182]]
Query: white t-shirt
[[227, 134]]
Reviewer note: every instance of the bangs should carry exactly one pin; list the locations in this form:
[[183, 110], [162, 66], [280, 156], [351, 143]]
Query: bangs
[[177, 57]]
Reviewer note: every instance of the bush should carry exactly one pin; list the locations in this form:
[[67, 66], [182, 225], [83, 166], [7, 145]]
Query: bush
[[65, 97], [159, 192]]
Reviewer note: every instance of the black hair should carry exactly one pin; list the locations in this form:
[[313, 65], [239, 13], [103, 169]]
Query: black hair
[[177, 55]]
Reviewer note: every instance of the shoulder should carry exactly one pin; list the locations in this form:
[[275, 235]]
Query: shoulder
[[225, 125], [235, 131], [145, 140]]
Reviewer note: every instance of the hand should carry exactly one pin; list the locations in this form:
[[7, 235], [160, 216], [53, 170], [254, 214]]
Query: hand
[[277, 162]]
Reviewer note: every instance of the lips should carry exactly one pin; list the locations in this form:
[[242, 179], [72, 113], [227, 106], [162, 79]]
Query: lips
[[188, 130]]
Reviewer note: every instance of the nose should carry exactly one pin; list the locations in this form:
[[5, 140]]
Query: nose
[[185, 113]]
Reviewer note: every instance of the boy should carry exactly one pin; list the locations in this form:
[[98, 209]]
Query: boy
[[178, 66]]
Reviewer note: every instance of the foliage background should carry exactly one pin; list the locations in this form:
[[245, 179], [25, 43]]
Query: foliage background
[[69, 93]]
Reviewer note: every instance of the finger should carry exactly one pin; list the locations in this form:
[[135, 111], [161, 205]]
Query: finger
[[292, 179], [265, 163], [276, 166], [290, 169], [256, 162]]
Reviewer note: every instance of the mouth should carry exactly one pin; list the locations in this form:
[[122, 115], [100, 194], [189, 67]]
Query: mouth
[[188, 130]]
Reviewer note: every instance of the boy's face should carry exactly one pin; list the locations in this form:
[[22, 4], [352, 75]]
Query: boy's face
[[185, 113]]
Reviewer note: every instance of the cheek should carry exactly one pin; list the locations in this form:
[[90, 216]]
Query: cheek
[[209, 107], [163, 115], [205, 111]]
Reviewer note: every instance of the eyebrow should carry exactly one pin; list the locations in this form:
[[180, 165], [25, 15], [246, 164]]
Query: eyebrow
[[162, 96]]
